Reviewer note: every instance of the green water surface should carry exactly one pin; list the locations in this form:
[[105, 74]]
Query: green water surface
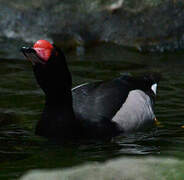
[[21, 103]]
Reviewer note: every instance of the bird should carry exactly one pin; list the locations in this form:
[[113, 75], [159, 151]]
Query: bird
[[99, 109]]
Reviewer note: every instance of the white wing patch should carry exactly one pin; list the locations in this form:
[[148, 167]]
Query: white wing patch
[[79, 86], [136, 113], [154, 88]]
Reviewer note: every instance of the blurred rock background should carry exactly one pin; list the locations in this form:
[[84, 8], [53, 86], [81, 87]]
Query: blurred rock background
[[149, 168], [147, 25]]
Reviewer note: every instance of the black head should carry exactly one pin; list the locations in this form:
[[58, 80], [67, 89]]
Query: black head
[[50, 68]]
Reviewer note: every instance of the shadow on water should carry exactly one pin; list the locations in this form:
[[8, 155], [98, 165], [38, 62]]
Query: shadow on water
[[21, 102]]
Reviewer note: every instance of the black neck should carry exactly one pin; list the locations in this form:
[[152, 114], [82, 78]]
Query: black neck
[[55, 80], [54, 77]]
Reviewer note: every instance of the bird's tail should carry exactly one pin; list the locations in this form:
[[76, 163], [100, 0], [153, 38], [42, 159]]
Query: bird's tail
[[150, 80]]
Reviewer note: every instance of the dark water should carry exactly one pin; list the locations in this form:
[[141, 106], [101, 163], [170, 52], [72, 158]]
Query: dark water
[[21, 102]]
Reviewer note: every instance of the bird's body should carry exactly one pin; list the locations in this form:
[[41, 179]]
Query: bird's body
[[116, 106], [93, 110]]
